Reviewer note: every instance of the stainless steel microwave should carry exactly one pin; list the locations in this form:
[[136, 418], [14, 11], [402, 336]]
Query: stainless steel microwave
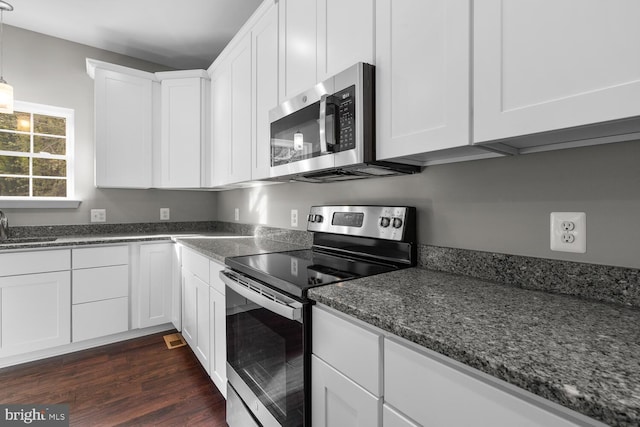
[[327, 133]]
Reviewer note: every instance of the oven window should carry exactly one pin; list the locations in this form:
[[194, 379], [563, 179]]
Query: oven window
[[266, 351]]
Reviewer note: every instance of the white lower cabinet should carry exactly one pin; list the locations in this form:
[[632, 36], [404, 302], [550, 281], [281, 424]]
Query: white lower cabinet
[[338, 401], [345, 371], [217, 329], [36, 312], [195, 304], [392, 418], [155, 284]]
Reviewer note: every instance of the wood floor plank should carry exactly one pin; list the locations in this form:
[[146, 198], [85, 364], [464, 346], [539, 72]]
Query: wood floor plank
[[133, 383]]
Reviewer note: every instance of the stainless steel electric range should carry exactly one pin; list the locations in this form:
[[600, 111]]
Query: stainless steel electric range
[[268, 315]]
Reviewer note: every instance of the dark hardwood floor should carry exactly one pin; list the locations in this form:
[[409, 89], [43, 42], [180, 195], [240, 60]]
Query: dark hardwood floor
[[133, 383]]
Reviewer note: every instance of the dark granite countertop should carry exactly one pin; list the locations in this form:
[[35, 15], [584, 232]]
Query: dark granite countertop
[[582, 354]]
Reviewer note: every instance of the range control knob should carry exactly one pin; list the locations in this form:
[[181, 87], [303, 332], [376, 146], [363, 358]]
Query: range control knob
[[397, 222], [310, 218], [318, 218], [385, 221]]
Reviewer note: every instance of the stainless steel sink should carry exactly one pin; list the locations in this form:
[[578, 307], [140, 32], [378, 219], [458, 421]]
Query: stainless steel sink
[[18, 240]]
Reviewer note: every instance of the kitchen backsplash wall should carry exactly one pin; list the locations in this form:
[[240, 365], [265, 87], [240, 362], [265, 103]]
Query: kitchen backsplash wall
[[52, 71], [497, 205]]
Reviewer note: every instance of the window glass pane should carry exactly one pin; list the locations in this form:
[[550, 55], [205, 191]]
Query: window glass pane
[[14, 187], [16, 121], [49, 187], [14, 142], [49, 145], [49, 125], [12, 165], [49, 167]]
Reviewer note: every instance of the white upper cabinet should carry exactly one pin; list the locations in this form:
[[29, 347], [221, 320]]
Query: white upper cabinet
[[422, 79], [230, 154], [545, 65], [298, 37], [183, 128], [346, 35], [123, 126], [264, 40]]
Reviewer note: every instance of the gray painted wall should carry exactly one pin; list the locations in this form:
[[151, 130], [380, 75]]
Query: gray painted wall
[[500, 205], [52, 71]]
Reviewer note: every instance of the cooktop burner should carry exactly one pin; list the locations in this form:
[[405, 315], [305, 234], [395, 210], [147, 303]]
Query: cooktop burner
[[297, 271]]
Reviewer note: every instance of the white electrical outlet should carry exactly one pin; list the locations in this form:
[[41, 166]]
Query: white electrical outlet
[[294, 217], [569, 232], [98, 215], [236, 214], [165, 214]]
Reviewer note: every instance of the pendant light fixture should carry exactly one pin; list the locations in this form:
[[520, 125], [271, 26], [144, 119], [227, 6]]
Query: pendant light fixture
[[6, 90]]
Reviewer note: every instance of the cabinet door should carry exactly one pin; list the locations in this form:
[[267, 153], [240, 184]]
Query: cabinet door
[[35, 312], [240, 150], [337, 401], [123, 130], [422, 76], [547, 65], [182, 132], [265, 89], [189, 308], [195, 316], [100, 318], [345, 35], [297, 46], [155, 284], [220, 126], [202, 348], [218, 340]]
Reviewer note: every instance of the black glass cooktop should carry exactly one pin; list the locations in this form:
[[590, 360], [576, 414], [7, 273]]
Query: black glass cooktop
[[295, 272]]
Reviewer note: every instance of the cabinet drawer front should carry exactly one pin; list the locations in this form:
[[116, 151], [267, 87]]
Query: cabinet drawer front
[[13, 264], [431, 391], [100, 318], [350, 348], [100, 257], [94, 284], [196, 264]]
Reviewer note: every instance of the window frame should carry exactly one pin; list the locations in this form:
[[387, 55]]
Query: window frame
[[48, 202]]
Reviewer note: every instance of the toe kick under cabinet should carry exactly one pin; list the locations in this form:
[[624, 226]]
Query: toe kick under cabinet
[[100, 294]]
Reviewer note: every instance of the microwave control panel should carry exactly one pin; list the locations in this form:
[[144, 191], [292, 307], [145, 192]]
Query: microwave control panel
[[345, 118]]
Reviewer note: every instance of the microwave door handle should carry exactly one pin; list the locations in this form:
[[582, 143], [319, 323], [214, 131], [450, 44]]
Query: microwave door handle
[[323, 124]]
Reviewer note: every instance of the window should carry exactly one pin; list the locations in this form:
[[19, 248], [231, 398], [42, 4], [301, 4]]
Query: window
[[36, 153]]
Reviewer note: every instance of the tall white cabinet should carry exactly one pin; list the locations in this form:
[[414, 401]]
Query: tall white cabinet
[[184, 130], [231, 116], [124, 132], [547, 65]]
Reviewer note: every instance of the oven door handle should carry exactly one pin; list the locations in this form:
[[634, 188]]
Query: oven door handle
[[323, 124], [291, 310]]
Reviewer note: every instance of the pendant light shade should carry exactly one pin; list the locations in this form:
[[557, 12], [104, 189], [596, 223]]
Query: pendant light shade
[[6, 90]]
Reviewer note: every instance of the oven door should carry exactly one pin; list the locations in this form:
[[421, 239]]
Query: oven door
[[266, 342]]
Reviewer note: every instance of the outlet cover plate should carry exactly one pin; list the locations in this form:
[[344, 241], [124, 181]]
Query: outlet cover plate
[[165, 214], [98, 215], [579, 232], [294, 217]]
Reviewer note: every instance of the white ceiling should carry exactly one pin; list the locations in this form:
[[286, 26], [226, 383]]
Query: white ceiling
[[183, 35]]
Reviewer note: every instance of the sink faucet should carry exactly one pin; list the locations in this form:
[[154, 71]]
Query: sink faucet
[[4, 226]]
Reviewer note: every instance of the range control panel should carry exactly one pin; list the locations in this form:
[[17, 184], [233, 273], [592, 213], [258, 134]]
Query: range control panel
[[381, 222]]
